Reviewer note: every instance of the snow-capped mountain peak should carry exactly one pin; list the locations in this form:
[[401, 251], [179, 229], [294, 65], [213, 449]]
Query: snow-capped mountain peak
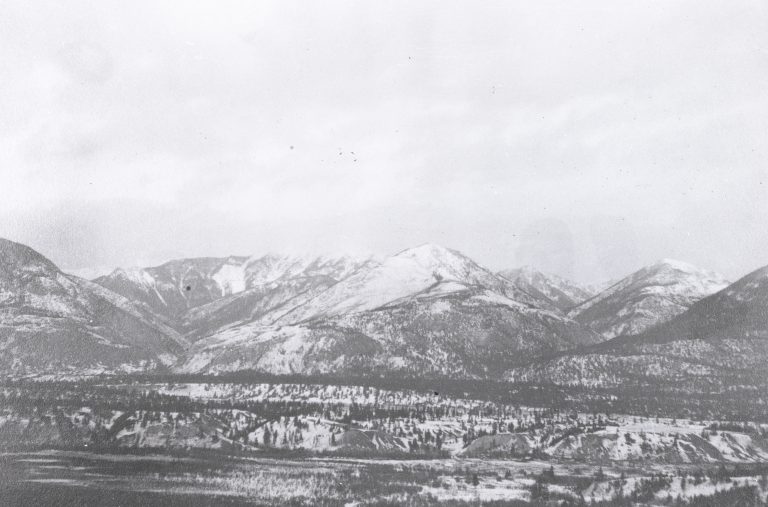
[[674, 264], [405, 274], [672, 278], [668, 265], [648, 297], [136, 275], [427, 308], [447, 264], [720, 338]]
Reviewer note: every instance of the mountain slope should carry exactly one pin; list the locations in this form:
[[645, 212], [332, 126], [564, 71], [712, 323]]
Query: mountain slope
[[563, 293], [469, 333], [199, 295], [174, 287], [646, 298], [275, 268], [410, 272], [722, 340], [263, 303], [427, 310], [53, 322]]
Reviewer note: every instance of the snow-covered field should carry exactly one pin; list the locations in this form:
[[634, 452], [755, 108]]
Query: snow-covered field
[[279, 443]]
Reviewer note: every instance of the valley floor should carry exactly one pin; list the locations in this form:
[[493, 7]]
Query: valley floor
[[215, 443], [84, 478]]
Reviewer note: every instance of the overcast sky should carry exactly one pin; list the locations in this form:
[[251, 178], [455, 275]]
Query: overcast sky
[[584, 138]]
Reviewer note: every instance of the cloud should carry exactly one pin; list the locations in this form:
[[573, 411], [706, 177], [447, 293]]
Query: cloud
[[134, 130]]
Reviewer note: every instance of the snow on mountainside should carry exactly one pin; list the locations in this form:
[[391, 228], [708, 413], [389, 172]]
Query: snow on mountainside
[[647, 298], [263, 304], [427, 310], [274, 268], [467, 333], [187, 290], [403, 275], [53, 322], [738, 311], [563, 293], [722, 338], [174, 287]]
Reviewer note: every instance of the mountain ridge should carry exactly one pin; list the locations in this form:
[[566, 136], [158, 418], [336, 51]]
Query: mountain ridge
[[647, 297], [722, 336], [424, 310], [428, 305], [51, 321], [564, 294]]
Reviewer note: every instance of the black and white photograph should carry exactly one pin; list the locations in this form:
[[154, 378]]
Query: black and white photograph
[[384, 253]]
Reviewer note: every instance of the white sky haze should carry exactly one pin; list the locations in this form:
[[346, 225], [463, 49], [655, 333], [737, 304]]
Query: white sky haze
[[584, 138]]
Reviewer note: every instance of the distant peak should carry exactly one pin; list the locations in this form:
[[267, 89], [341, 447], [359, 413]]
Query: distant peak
[[667, 265], [670, 271], [428, 249], [133, 274], [675, 264], [127, 271], [117, 272], [444, 263]]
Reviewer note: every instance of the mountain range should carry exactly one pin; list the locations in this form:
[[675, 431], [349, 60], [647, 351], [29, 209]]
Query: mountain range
[[427, 310], [720, 341], [200, 295]]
